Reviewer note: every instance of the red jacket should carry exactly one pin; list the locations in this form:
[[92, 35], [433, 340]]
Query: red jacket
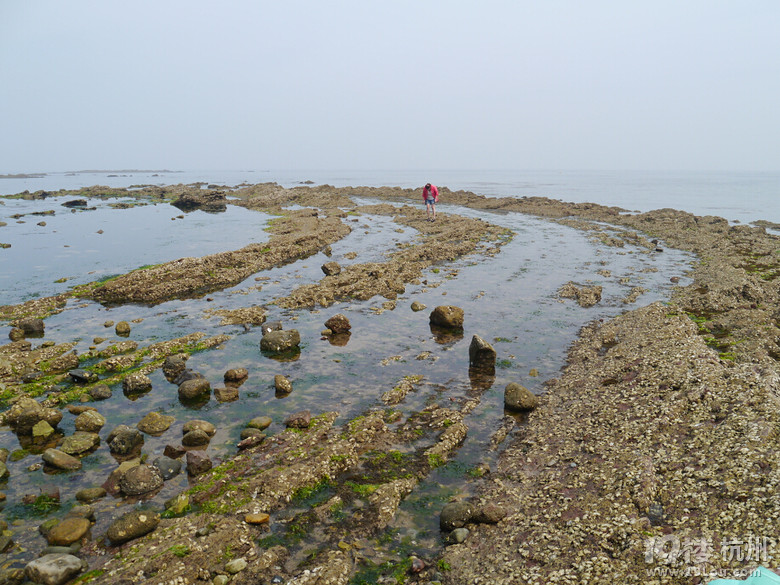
[[434, 192]]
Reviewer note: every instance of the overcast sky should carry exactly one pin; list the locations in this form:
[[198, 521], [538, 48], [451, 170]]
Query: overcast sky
[[516, 84]]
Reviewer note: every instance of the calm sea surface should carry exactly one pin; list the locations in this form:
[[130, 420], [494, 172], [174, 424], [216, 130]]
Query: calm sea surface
[[737, 196]]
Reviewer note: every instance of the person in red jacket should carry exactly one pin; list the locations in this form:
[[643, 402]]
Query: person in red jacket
[[430, 196]]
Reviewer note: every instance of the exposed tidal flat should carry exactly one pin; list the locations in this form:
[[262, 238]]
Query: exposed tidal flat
[[658, 421]]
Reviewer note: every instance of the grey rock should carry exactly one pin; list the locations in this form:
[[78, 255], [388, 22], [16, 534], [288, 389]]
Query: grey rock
[[136, 384], [122, 328], [124, 440], [80, 442], [100, 392], [155, 424], [260, 422], [61, 460], [226, 394], [455, 515], [26, 413], [196, 438], [447, 316], [236, 375], [140, 480], [53, 569], [132, 525], [482, 355], [282, 384], [31, 326], [280, 341], [197, 424], [271, 326], [518, 397], [90, 421], [168, 467], [194, 389], [338, 323]]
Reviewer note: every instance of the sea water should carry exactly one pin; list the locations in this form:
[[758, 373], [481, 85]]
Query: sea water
[[737, 196]]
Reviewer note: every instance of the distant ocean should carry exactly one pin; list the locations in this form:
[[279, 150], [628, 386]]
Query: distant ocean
[[737, 196]]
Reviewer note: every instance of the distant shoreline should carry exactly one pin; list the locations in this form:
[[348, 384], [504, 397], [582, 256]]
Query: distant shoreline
[[83, 172]]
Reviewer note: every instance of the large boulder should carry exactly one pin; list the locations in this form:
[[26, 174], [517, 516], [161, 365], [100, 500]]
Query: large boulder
[[518, 397], [456, 515], [140, 480], [132, 525], [53, 569], [136, 384], [173, 366], [27, 412], [280, 341], [80, 442], [482, 356], [70, 530], [90, 421], [338, 324], [447, 316], [31, 327], [194, 389], [155, 424], [124, 440], [60, 460]]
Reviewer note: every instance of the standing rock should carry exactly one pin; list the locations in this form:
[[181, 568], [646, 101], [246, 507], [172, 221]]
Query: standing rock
[[122, 329], [61, 460], [455, 515], [140, 480], [226, 394], [447, 316], [338, 324], [331, 268], [236, 376], [26, 413], [53, 569], [481, 354], [155, 424], [80, 442], [200, 425], [100, 392], [194, 389], [418, 306], [518, 397], [282, 384], [32, 327], [280, 341], [124, 440], [196, 438], [136, 384], [260, 422], [168, 467], [271, 326], [90, 421], [132, 525], [173, 366], [70, 530]]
